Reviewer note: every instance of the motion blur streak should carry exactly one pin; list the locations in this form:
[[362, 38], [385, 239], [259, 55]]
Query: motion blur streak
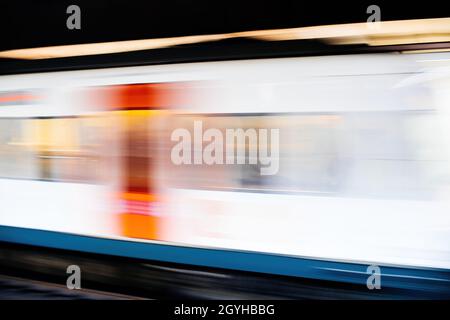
[[386, 33], [364, 162]]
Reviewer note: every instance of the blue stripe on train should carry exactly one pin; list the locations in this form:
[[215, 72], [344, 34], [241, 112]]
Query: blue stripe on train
[[423, 279]]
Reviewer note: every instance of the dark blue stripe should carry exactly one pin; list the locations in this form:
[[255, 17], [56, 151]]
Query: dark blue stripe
[[428, 279]]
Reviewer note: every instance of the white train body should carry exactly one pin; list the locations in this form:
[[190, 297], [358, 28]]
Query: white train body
[[364, 170]]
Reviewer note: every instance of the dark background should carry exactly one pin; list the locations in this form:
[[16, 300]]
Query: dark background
[[25, 24]]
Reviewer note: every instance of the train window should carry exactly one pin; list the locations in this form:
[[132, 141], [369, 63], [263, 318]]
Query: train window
[[17, 155], [372, 154], [428, 141], [307, 159], [68, 148], [383, 155], [54, 149]]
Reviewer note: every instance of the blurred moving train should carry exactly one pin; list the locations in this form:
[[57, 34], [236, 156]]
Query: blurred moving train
[[363, 179]]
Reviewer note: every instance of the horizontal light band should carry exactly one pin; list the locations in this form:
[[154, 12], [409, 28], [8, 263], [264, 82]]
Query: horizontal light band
[[371, 33]]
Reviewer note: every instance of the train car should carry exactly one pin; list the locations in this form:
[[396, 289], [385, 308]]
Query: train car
[[319, 168]]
